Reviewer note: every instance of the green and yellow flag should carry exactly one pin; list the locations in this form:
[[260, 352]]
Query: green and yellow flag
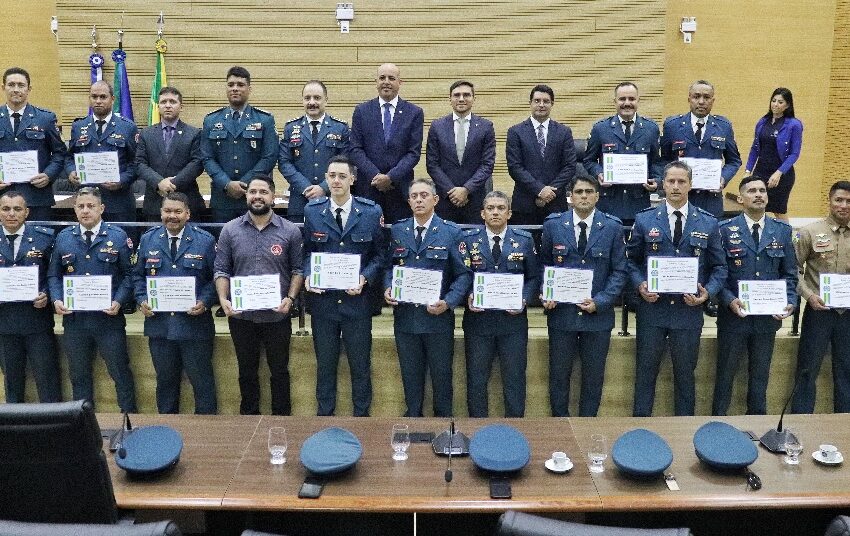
[[159, 81]]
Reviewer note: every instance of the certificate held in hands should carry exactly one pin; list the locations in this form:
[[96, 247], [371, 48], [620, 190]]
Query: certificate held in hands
[[18, 283], [624, 168], [97, 168], [87, 292], [567, 285], [672, 275], [498, 291], [763, 297], [175, 294], [835, 290], [255, 292], [705, 171], [18, 166], [334, 271], [416, 285]]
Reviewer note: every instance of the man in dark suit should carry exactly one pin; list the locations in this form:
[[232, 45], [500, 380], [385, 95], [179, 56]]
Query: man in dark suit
[[168, 157], [460, 155], [541, 158], [386, 144]]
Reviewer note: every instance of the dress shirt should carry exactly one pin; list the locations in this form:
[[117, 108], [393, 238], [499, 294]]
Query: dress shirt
[[95, 230], [178, 235], [106, 120], [672, 217], [694, 121], [634, 121], [750, 223], [393, 106], [589, 221], [321, 121], [427, 226], [536, 124], [346, 210], [465, 124], [17, 244], [501, 236]]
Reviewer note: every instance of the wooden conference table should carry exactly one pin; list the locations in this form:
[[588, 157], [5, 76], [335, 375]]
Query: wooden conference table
[[225, 466]]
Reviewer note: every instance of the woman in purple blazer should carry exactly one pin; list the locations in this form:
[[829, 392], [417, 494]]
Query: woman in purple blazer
[[776, 147]]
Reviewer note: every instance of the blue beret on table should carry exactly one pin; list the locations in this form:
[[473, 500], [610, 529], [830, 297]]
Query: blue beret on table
[[149, 450], [499, 448], [722, 446], [641, 453], [330, 451]]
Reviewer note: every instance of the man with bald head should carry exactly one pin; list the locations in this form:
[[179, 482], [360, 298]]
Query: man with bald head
[[386, 143]]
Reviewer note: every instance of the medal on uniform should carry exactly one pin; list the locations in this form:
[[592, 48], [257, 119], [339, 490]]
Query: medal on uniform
[[153, 271], [109, 243], [296, 153], [655, 246], [70, 269], [253, 144]]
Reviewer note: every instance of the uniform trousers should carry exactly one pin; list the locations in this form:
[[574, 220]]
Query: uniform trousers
[[512, 351], [820, 330], [80, 347], [731, 346], [40, 350], [356, 335], [591, 347], [170, 359], [418, 352], [684, 349]]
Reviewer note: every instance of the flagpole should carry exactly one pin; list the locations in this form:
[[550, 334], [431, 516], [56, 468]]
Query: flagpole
[[123, 104], [160, 79]]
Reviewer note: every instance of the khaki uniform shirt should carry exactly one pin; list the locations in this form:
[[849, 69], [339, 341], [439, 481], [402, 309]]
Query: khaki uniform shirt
[[822, 247]]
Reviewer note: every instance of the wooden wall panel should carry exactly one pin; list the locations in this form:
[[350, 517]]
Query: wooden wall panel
[[837, 110]]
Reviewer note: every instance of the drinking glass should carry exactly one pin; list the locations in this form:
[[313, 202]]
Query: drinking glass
[[597, 453], [277, 445], [793, 448], [400, 441]]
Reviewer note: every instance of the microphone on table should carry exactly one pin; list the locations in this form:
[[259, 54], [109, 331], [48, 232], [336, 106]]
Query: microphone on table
[[774, 439], [448, 474]]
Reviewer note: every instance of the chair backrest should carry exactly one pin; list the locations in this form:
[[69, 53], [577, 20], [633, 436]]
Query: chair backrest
[[52, 466], [840, 526], [19, 528], [519, 524]]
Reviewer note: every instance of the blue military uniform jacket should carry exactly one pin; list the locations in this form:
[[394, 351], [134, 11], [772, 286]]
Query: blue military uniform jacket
[[519, 256], [119, 135], [607, 136], [772, 258], [195, 258], [109, 254], [651, 237], [22, 318], [37, 131], [304, 163], [237, 150], [605, 254], [439, 251], [363, 235]]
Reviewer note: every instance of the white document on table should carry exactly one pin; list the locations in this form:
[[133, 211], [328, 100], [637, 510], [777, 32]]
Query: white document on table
[[624, 168], [416, 285], [97, 168], [497, 291], [567, 285], [835, 290], [171, 293], [18, 283], [672, 275], [18, 166], [87, 292], [255, 292], [335, 271], [705, 172], [763, 297]]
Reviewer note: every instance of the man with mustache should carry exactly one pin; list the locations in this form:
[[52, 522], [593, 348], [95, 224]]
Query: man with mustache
[[307, 146]]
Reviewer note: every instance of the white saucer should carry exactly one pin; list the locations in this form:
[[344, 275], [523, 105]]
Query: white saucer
[[820, 459], [550, 464]]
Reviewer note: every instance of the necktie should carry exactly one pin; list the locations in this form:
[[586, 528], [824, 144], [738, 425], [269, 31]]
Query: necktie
[[314, 130], [168, 136], [756, 234], [541, 140], [339, 218], [388, 121], [89, 238], [174, 240], [497, 249], [582, 237], [236, 115], [100, 123], [677, 228], [698, 133], [11, 238], [419, 230], [460, 138], [628, 125], [16, 120]]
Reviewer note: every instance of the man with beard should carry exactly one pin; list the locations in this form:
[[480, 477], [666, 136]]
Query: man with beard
[[261, 243]]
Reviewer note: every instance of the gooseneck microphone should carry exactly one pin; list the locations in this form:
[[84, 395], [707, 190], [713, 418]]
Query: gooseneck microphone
[[448, 474], [774, 439]]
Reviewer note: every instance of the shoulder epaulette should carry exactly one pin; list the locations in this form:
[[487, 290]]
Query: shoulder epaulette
[[703, 211], [553, 216], [43, 230], [317, 201], [612, 217], [522, 232], [648, 209], [294, 119], [365, 201], [338, 120], [783, 222], [726, 222], [403, 221], [215, 111], [80, 119], [154, 229], [471, 232], [260, 110], [722, 119]]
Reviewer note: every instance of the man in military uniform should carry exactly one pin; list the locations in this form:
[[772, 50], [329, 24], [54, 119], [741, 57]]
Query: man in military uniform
[[823, 248], [307, 145], [350, 225], [100, 132], [624, 133], [674, 229], [498, 248], [24, 127], [699, 134], [583, 238], [179, 340], [424, 335], [756, 248], [94, 247], [237, 142], [26, 327]]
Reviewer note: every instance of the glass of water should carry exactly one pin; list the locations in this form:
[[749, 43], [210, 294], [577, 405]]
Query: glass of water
[[277, 445], [400, 441], [793, 448], [597, 453]]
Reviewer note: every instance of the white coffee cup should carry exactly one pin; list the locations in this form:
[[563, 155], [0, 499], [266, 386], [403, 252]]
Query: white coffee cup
[[829, 452], [559, 459]]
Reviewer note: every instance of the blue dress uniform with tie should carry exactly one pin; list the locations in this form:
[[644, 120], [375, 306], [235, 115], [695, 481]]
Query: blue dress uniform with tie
[[118, 135], [304, 157], [772, 258], [37, 131], [717, 142], [573, 332], [89, 331], [236, 149], [424, 340], [493, 333], [607, 136], [179, 341], [337, 314], [26, 333], [670, 317]]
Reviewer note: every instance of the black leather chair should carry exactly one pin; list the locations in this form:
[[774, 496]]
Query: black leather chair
[[18, 528], [840, 526], [520, 524], [52, 468], [255, 533], [581, 146]]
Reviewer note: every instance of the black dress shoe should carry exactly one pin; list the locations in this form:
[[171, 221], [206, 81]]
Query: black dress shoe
[[711, 308], [220, 313]]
